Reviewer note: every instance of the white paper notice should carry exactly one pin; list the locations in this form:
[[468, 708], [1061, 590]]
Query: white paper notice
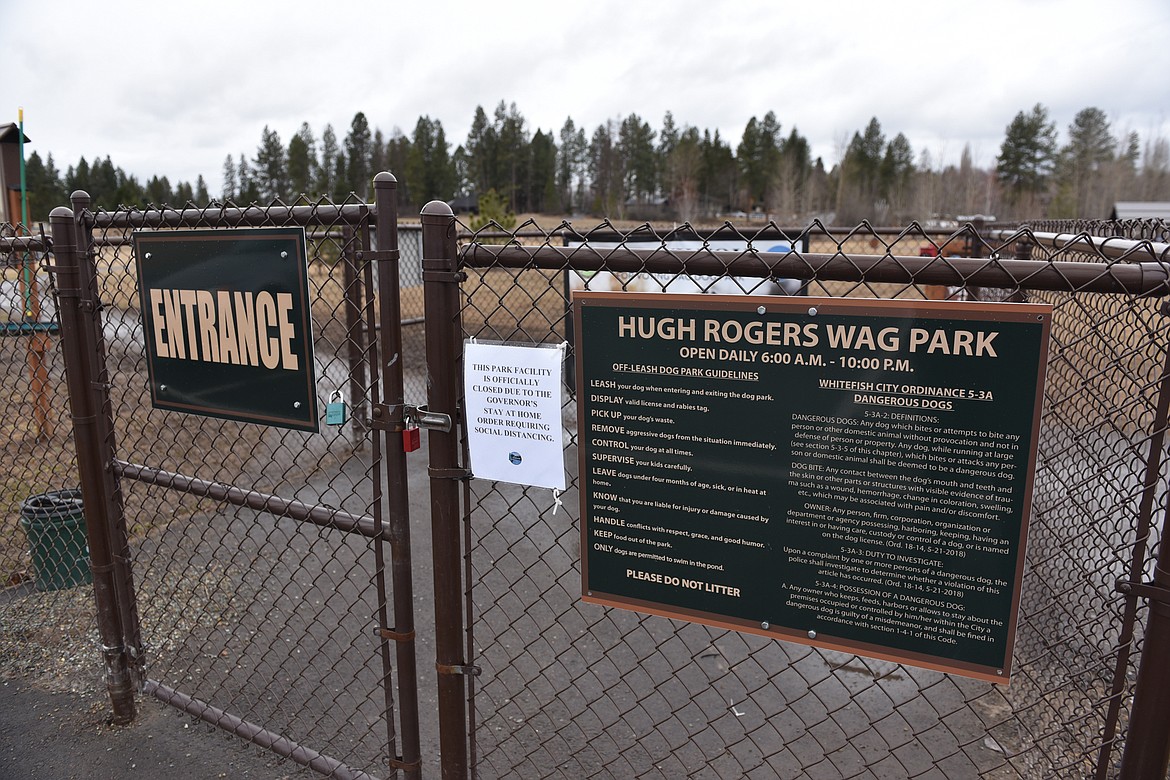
[[513, 397]]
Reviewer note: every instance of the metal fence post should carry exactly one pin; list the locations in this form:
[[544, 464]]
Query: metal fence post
[[444, 358], [390, 313], [95, 352], [79, 313], [1147, 745]]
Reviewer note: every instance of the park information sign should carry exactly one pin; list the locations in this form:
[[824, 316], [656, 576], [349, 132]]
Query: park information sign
[[225, 316], [850, 474]]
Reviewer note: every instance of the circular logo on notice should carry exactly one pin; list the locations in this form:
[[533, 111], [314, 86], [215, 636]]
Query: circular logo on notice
[[514, 458]]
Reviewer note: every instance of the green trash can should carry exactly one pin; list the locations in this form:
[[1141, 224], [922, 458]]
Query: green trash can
[[54, 523]]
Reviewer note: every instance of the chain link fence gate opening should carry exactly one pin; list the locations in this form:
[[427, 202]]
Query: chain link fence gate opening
[[261, 576], [558, 688]]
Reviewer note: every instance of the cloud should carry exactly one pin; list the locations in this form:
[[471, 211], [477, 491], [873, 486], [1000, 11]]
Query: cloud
[[173, 94]]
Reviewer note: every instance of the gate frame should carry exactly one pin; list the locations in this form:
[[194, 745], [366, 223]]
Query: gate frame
[[79, 304]]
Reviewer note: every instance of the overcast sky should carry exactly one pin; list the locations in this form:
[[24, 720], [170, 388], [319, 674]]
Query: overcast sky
[[171, 89]]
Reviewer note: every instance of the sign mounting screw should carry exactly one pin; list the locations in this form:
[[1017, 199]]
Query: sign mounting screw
[[812, 311], [284, 254], [812, 634], [765, 625], [296, 404], [761, 310]]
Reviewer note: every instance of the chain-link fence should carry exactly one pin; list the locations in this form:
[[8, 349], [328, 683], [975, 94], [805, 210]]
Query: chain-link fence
[[572, 690], [261, 557], [46, 611]]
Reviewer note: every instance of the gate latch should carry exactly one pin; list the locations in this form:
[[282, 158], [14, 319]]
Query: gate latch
[[412, 416]]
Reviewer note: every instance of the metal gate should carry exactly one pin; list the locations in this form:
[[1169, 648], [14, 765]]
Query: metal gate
[[539, 684], [254, 577]]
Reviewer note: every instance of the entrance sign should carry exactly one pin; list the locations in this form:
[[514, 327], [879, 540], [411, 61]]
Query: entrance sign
[[845, 473], [513, 398], [227, 325]]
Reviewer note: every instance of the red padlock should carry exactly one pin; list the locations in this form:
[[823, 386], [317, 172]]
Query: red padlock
[[410, 439]]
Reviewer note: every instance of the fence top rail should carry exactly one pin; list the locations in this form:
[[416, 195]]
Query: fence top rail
[[234, 216], [1113, 247], [1147, 278], [12, 244], [727, 231]]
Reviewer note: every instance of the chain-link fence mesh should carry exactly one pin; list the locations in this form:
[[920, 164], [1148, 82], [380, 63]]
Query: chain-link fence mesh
[[47, 629], [575, 690]]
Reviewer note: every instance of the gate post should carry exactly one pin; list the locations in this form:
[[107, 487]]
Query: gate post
[[1147, 744], [398, 503], [95, 353], [444, 349], [79, 314]]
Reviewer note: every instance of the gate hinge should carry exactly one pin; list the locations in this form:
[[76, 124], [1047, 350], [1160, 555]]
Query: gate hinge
[[396, 636], [470, 671], [406, 766], [384, 419], [1146, 590]]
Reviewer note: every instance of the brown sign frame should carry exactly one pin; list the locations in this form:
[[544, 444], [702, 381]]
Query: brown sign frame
[[901, 310]]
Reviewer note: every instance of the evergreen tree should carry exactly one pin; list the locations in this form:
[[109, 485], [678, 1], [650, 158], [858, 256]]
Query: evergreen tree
[[896, 175], [481, 152], [512, 155], [430, 174], [357, 156], [45, 189], [129, 190], [202, 197], [184, 194], [1081, 165], [758, 159], [103, 183], [397, 158], [860, 171], [340, 178], [542, 185], [230, 179], [667, 142], [77, 178], [570, 159], [1027, 156], [639, 162], [328, 167], [605, 172], [718, 183], [378, 154], [159, 192], [270, 172], [302, 162], [247, 191]]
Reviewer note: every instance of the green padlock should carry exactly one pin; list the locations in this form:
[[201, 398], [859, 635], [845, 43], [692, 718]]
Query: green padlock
[[335, 409]]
